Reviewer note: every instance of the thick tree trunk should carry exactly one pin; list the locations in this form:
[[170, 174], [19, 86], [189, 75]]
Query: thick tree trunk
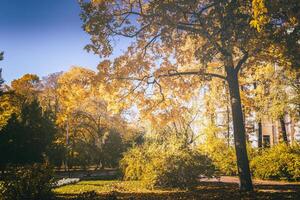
[[283, 130], [259, 137], [239, 132]]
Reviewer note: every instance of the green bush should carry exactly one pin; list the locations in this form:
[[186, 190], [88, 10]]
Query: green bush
[[168, 164], [31, 182], [278, 162]]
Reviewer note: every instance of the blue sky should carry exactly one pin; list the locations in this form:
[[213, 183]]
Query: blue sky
[[42, 37]]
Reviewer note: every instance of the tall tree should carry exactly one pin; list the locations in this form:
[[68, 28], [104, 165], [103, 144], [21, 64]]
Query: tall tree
[[48, 95], [25, 138], [274, 93], [25, 88], [83, 115], [176, 44]]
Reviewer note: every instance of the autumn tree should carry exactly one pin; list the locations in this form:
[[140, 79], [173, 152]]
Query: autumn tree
[[25, 89], [177, 45], [84, 116], [274, 93], [6, 108], [48, 95], [22, 90], [196, 34], [279, 21]]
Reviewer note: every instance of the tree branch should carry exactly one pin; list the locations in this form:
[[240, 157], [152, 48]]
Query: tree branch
[[186, 27], [241, 62], [199, 73]]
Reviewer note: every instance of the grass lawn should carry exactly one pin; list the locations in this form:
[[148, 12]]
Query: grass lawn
[[206, 190]]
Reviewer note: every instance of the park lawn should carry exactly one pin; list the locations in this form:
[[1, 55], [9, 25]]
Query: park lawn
[[115, 189], [108, 186]]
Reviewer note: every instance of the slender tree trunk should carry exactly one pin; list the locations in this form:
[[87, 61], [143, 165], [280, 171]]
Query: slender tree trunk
[[228, 126], [260, 135], [259, 138], [239, 132], [283, 130]]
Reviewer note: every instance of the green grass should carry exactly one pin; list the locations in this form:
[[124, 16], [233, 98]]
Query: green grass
[[115, 189], [107, 186]]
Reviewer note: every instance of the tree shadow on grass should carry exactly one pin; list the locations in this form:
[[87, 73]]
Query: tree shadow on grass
[[205, 190]]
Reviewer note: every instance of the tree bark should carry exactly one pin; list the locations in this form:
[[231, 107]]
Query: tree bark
[[259, 137], [239, 131], [283, 130]]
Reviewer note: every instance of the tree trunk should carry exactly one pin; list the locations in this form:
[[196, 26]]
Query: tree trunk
[[228, 126], [259, 138], [239, 132], [260, 135], [283, 130]]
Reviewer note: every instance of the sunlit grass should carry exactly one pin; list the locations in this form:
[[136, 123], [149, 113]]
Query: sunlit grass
[[107, 186]]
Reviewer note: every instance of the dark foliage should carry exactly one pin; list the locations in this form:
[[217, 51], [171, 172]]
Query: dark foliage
[[25, 138], [33, 182]]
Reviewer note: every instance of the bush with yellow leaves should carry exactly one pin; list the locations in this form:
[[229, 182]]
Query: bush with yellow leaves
[[167, 164]]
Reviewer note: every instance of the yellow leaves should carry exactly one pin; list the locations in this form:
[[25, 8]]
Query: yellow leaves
[[98, 2], [259, 14], [104, 66], [7, 108], [87, 28], [26, 86], [74, 87], [293, 21]]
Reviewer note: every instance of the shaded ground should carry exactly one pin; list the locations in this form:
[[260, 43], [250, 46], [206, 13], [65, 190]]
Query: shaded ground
[[227, 188], [89, 174]]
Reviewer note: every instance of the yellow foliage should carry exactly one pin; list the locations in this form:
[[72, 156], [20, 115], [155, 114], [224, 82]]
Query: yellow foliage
[[259, 14]]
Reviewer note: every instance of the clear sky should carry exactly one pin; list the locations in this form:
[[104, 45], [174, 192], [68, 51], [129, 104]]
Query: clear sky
[[42, 37]]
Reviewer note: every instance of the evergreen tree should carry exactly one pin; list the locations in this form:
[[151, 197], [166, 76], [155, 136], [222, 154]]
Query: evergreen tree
[[25, 138]]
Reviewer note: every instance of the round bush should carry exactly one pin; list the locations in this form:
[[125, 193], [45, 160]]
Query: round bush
[[278, 162], [165, 165]]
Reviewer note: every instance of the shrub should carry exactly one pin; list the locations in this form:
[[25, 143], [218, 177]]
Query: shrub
[[168, 164], [278, 162], [30, 182], [222, 154]]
